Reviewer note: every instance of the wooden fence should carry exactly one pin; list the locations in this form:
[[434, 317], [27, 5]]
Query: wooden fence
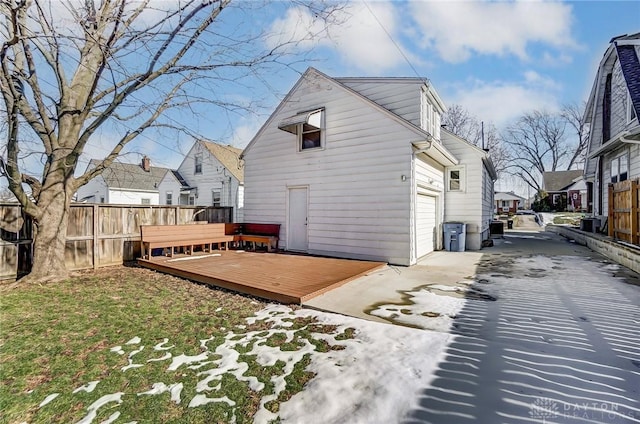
[[624, 211], [98, 234]]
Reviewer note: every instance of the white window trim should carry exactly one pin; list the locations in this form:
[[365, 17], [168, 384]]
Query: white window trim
[[461, 178], [311, 149], [618, 159], [213, 198], [630, 109], [166, 197], [195, 163]]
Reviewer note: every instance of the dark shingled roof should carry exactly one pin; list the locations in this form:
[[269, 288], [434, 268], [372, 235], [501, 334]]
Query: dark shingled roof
[[631, 70], [560, 180], [131, 176]]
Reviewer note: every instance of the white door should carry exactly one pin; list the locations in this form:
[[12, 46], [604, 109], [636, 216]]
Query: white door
[[425, 224], [297, 225]]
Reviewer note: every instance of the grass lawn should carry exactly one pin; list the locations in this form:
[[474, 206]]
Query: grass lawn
[[160, 348], [572, 218]]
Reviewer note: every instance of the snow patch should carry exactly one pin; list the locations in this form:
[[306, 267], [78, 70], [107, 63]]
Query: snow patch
[[160, 388], [93, 408], [427, 310], [199, 400], [48, 399], [135, 340], [117, 349], [89, 387], [161, 345]]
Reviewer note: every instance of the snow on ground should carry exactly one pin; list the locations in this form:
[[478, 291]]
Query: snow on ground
[[374, 377]]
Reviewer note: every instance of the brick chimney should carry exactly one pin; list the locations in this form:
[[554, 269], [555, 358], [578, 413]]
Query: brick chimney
[[146, 163]]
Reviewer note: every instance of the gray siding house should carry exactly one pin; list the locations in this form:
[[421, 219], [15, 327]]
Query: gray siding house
[[612, 113]]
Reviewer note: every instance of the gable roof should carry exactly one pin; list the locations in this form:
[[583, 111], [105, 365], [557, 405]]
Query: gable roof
[[440, 151], [484, 154], [625, 48], [228, 156], [129, 176], [504, 195], [560, 180]]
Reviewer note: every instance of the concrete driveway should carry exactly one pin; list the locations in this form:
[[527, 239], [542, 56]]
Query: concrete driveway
[[554, 338]]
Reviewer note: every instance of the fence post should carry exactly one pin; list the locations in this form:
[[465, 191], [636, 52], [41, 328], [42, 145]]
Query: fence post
[[95, 236], [634, 212], [177, 213], [611, 214]]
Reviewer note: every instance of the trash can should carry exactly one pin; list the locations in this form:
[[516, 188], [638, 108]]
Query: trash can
[[496, 228], [454, 236], [510, 224]]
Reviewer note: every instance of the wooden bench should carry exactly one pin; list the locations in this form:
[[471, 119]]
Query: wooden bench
[[268, 234], [182, 236]]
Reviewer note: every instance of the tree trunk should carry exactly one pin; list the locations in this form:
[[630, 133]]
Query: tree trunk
[[50, 238]]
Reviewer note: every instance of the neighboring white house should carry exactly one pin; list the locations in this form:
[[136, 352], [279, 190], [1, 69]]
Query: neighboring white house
[[612, 112], [211, 174], [469, 189], [214, 176], [352, 167], [507, 202], [126, 183]]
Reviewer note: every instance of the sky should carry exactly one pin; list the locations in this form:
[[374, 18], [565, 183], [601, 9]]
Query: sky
[[496, 59]]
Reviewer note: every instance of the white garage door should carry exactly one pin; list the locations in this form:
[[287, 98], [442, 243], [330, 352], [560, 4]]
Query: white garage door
[[425, 224]]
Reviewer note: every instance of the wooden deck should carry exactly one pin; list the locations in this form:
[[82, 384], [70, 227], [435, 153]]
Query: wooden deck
[[280, 277]]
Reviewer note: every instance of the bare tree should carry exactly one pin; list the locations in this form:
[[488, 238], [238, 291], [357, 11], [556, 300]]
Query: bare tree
[[573, 114], [70, 69], [459, 121], [537, 144]]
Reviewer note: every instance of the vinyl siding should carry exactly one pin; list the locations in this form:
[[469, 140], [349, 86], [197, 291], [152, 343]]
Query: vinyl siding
[[126, 197], [618, 101], [93, 190], [470, 205], [400, 97], [359, 207], [169, 183], [214, 176]]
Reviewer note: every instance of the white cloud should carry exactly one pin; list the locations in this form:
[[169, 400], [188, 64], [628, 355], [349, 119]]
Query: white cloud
[[359, 37], [503, 101], [457, 30], [245, 130]]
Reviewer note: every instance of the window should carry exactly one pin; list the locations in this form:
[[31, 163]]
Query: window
[[620, 168], [505, 203], [101, 199], [455, 180], [216, 196], [169, 198], [308, 127], [198, 164], [145, 201], [310, 137], [192, 200]]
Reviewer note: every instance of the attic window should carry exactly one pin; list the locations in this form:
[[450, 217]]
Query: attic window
[[309, 120], [198, 164], [307, 126]]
